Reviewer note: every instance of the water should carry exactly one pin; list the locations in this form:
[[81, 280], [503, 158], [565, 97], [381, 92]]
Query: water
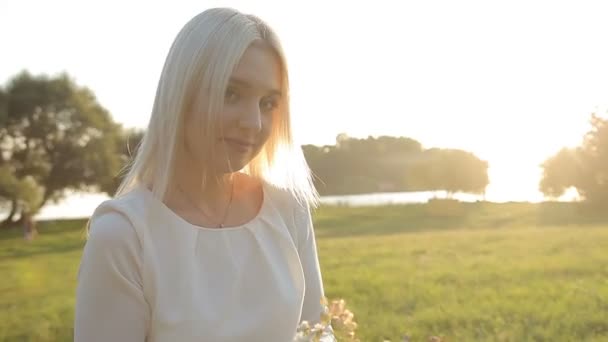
[[79, 205], [385, 198], [76, 205]]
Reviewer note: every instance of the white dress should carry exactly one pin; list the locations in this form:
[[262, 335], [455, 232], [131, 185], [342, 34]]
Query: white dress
[[146, 274]]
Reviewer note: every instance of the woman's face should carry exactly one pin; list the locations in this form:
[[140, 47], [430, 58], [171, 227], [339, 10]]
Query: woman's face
[[251, 101]]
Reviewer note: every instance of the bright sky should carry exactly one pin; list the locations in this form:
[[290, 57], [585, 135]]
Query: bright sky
[[512, 81]]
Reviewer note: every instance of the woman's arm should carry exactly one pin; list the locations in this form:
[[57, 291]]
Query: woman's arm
[[307, 249], [110, 304]]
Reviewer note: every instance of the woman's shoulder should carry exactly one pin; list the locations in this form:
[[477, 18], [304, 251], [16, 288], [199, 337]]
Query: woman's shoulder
[[136, 199], [116, 218], [282, 198], [112, 241], [111, 229], [295, 212]]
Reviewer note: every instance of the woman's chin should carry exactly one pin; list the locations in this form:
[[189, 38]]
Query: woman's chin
[[236, 164]]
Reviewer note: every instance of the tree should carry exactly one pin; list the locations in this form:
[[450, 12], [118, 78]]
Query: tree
[[451, 170], [22, 194], [593, 181], [585, 167], [560, 172], [54, 136], [392, 164]]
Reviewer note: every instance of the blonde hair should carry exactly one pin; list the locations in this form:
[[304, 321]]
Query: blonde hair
[[194, 78]]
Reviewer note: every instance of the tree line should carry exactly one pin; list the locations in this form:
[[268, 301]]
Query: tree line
[[55, 137], [388, 164]]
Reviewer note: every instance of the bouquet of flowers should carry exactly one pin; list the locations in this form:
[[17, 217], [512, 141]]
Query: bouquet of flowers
[[336, 322]]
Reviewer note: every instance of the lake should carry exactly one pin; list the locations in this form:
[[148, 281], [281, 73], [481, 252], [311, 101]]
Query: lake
[[80, 205]]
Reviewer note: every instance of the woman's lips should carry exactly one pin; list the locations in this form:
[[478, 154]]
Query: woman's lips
[[239, 145]]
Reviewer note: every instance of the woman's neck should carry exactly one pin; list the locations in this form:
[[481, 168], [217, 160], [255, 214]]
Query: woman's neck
[[213, 195]]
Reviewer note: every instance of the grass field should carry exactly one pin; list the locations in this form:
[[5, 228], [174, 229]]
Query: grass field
[[466, 272]]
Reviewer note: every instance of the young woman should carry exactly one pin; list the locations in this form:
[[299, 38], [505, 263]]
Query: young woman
[[209, 237]]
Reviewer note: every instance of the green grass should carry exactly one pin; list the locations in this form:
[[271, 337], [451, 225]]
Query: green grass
[[511, 272], [468, 272], [38, 281]]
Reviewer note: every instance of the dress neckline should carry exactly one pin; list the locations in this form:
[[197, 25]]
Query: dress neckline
[[182, 221]]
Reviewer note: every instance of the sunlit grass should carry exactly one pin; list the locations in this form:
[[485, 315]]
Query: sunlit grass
[[38, 282], [522, 280], [481, 272]]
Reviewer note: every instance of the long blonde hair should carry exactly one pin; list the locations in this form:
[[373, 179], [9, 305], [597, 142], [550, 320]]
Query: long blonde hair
[[200, 62]]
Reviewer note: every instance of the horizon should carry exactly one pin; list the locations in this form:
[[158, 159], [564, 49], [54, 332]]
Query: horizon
[[448, 75]]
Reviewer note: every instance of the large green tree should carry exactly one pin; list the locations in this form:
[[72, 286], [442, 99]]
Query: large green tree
[[54, 136]]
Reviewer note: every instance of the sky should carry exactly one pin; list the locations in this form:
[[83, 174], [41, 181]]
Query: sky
[[511, 81]]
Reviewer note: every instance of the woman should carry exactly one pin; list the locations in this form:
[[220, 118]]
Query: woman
[[209, 237]]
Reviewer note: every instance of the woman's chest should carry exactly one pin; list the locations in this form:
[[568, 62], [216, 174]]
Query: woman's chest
[[228, 290]]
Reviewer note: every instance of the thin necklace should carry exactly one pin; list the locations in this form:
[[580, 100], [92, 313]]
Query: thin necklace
[[193, 204]]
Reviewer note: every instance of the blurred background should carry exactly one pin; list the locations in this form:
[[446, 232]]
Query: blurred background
[[460, 148]]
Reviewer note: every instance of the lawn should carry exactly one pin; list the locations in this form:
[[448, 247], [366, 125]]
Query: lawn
[[465, 272]]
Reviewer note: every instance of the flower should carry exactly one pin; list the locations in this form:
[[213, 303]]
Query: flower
[[336, 321], [331, 316]]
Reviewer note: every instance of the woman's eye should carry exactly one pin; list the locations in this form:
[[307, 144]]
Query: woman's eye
[[231, 96], [268, 105]]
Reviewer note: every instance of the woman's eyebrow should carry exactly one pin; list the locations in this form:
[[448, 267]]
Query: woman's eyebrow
[[247, 85]]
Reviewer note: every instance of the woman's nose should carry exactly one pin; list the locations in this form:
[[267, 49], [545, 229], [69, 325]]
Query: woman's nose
[[251, 117]]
